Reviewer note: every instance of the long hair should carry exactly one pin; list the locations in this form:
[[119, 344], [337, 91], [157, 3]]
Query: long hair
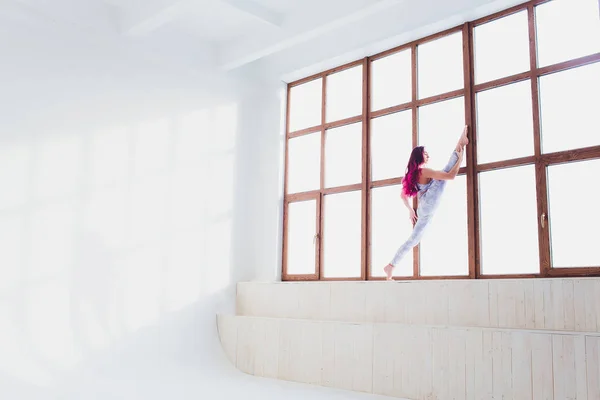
[[413, 172]]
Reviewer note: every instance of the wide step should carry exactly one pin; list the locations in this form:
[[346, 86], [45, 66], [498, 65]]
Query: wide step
[[554, 304], [417, 362], [456, 339]]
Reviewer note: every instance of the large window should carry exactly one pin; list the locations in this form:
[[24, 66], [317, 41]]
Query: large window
[[525, 80]]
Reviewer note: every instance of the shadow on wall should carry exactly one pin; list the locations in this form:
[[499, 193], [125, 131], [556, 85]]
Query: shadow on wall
[[127, 188], [115, 255], [173, 355]]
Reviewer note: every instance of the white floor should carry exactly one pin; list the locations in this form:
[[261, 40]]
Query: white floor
[[179, 384], [177, 358], [182, 384]]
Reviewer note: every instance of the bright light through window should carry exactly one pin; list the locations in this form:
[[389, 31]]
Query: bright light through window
[[573, 241], [502, 47], [567, 29], [305, 105], [509, 230], [344, 94], [342, 178], [343, 155], [440, 127], [304, 163], [302, 228], [500, 137], [444, 248], [569, 108], [342, 235], [391, 144], [391, 80], [440, 66]]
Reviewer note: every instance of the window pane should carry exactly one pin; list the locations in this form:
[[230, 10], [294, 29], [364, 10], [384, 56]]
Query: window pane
[[440, 127], [508, 216], [344, 94], [569, 108], [391, 135], [390, 227], [342, 235], [573, 242], [343, 155], [305, 105], [444, 249], [502, 47], [304, 163], [391, 80], [567, 29], [301, 230], [499, 137], [440, 66]]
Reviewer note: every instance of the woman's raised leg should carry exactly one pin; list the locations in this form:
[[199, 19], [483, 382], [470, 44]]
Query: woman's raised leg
[[463, 140]]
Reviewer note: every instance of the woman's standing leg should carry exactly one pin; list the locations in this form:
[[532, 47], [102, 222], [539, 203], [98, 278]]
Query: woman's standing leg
[[412, 241]]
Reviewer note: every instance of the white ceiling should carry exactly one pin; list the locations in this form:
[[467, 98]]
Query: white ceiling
[[285, 39]]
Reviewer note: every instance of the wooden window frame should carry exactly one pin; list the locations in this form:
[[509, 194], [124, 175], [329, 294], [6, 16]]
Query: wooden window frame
[[540, 160]]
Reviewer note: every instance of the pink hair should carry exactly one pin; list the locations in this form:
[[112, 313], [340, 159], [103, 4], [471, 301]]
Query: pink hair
[[413, 172]]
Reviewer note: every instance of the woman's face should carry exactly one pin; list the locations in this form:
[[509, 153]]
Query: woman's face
[[425, 157]]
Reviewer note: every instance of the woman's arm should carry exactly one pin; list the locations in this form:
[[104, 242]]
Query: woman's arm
[[412, 215], [405, 201], [442, 175]]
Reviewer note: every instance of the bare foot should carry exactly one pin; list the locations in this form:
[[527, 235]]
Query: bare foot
[[388, 271], [464, 140]]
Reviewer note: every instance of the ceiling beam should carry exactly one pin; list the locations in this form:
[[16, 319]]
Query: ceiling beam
[[257, 11], [167, 11], [48, 25], [251, 49], [154, 17]]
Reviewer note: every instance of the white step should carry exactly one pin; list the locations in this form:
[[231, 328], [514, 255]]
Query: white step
[[417, 362], [551, 304]]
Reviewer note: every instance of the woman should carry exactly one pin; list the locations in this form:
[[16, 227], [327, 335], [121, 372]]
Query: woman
[[428, 185]]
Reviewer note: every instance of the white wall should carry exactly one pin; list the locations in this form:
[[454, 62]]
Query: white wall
[[132, 198], [260, 184]]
